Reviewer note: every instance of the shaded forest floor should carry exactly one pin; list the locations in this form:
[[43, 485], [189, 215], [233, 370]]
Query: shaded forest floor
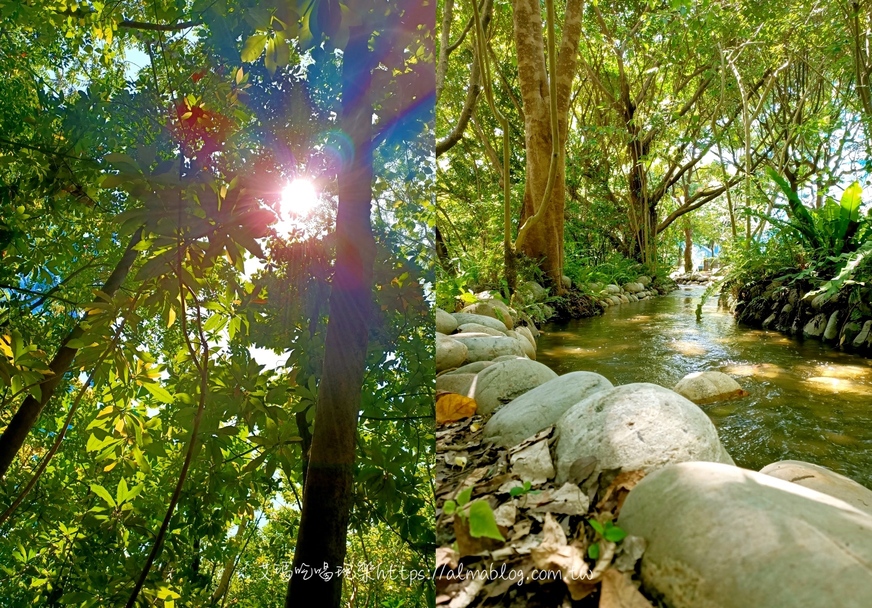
[[550, 556]]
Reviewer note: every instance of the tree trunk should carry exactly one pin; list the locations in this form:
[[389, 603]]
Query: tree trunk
[[688, 247], [25, 418], [328, 491], [545, 241]]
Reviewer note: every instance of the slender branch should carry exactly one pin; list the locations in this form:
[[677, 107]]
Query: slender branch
[[57, 444], [203, 369]]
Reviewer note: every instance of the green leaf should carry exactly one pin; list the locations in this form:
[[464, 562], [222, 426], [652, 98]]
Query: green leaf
[[596, 525], [593, 551], [270, 58], [614, 534], [851, 201], [482, 522], [159, 392], [449, 507], [121, 492], [464, 496], [103, 493], [253, 47]]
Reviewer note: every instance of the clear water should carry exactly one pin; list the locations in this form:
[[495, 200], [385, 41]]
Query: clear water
[[807, 401]]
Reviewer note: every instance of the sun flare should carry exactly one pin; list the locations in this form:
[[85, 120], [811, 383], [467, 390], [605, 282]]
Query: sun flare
[[299, 197]]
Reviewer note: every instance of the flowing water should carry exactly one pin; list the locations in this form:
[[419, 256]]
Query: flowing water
[[807, 400]]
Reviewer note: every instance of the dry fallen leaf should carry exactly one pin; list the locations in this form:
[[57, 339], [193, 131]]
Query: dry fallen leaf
[[554, 555], [630, 552], [452, 406], [614, 496], [533, 463], [567, 500], [619, 592]]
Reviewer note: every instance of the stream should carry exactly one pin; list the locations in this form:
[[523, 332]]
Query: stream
[[808, 401]]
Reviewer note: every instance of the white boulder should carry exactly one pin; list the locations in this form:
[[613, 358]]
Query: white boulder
[[449, 353], [723, 537], [445, 323], [708, 387], [636, 427], [479, 328], [822, 480], [541, 407], [463, 384], [528, 348], [482, 347], [463, 318], [493, 308], [504, 381]]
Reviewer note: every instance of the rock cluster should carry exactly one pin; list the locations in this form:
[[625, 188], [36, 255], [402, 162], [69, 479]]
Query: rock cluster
[[631, 291], [700, 277], [843, 318]]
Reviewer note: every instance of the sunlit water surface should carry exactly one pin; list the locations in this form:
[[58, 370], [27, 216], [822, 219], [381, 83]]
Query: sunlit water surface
[[807, 400]]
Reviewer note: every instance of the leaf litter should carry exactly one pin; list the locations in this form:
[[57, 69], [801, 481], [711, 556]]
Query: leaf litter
[[544, 561]]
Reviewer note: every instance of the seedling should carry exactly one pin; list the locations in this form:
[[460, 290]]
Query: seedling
[[521, 490], [481, 517], [607, 531]]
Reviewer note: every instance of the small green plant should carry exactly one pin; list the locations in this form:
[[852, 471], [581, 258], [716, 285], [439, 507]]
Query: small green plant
[[482, 523], [608, 531], [521, 490]]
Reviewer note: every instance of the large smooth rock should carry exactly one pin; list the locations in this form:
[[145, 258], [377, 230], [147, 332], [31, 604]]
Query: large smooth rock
[[724, 537], [612, 289], [470, 368], [815, 327], [482, 347], [445, 323], [708, 387], [822, 480], [863, 336], [633, 287], [528, 348], [463, 318], [533, 292], [541, 407], [491, 308], [479, 328], [449, 353], [643, 280], [525, 331], [463, 384], [832, 330], [504, 381], [636, 427]]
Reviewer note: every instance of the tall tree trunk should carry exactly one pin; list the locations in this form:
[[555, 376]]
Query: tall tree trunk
[[25, 418], [545, 240], [327, 495], [688, 247]]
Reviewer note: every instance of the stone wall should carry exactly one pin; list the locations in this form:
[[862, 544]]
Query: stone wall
[[843, 319]]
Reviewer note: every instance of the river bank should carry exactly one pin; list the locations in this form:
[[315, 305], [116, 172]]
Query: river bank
[[608, 363], [842, 318]]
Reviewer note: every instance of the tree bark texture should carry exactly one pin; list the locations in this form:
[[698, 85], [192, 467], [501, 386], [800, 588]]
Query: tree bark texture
[[328, 491], [545, 241]]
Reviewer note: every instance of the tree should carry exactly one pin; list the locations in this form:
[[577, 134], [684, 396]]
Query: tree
[[165, 433], [546, 99]]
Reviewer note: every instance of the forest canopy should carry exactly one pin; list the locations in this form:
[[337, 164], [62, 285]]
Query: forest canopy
[[675, 123], [170, 177]]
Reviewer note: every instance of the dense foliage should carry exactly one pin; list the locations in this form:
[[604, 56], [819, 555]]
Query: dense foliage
[[689, 122], [144, 149]]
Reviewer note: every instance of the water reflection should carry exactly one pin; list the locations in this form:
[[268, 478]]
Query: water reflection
[[807, 401]]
